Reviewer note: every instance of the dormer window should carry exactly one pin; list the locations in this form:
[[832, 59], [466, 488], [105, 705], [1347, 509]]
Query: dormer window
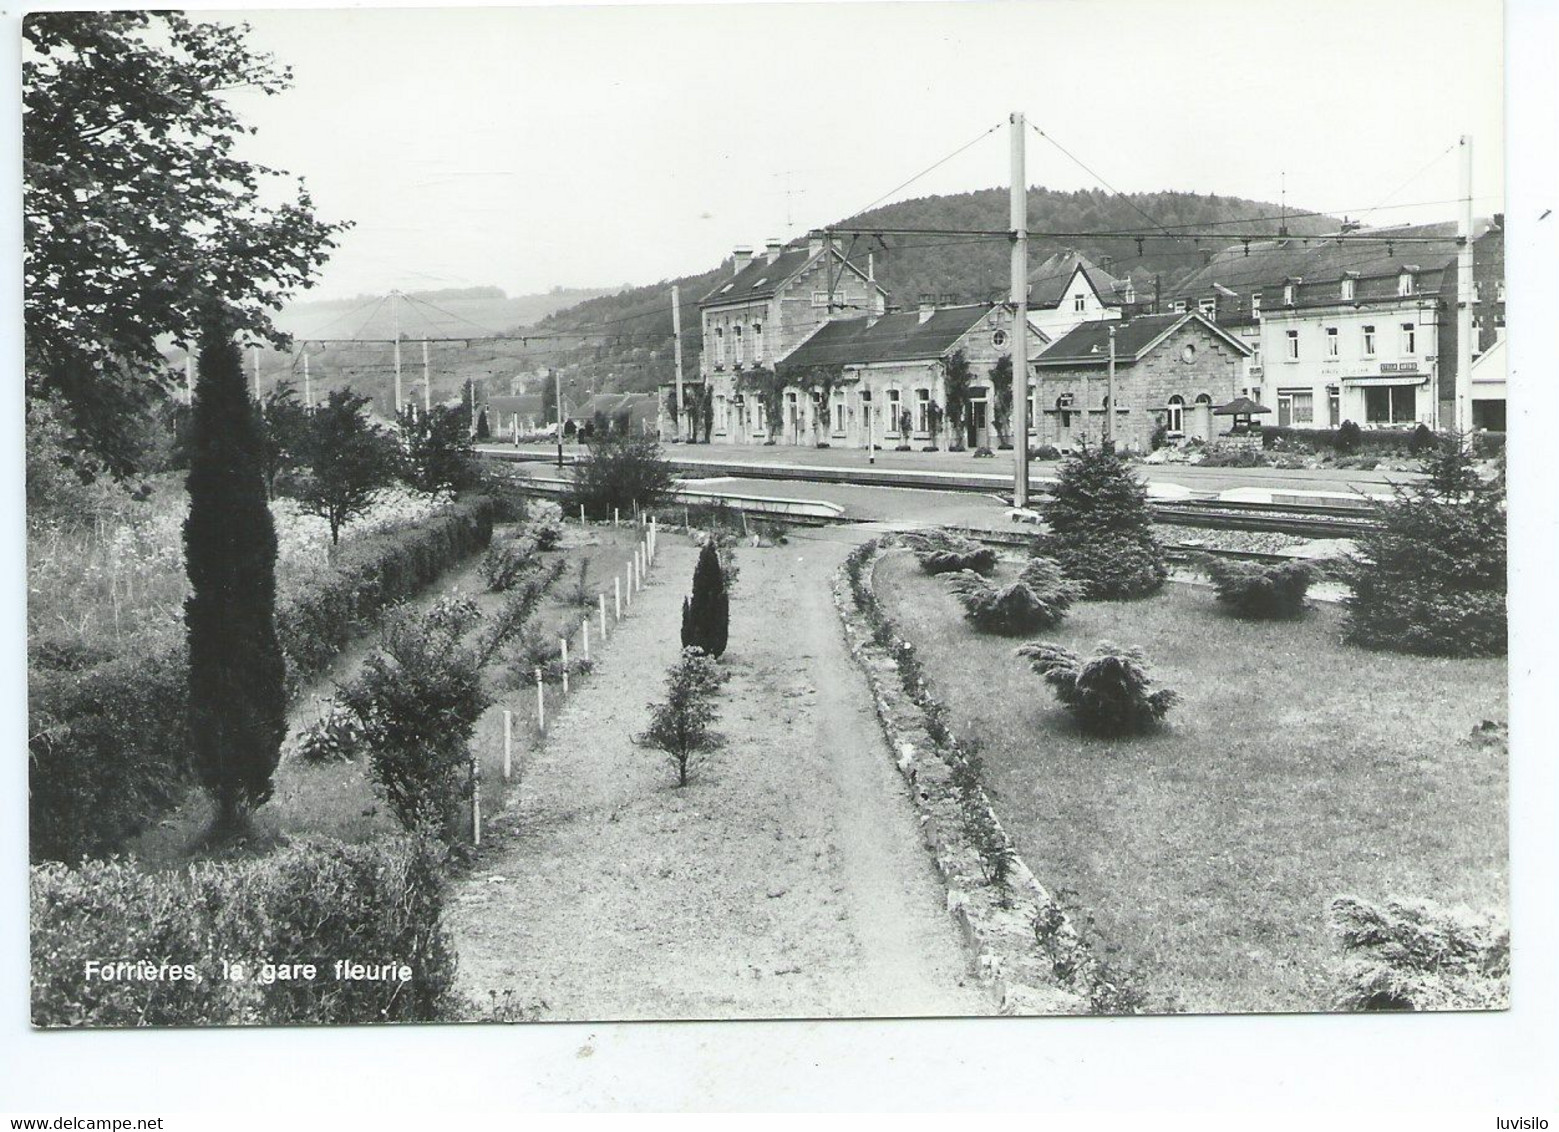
[[1347, 290], [1405, 283], [1255, 304], [1288, 293], [1079, 302], [1208, 308], [1180, 306]]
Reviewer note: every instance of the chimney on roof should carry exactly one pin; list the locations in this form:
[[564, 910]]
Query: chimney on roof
[[927, 306], [772, 249], [814, 241], [742, 256]]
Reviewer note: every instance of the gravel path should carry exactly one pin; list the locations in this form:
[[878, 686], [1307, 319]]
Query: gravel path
[[786, 880]]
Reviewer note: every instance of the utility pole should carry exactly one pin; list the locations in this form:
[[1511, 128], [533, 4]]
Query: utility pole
[[308, 384], [1109, 400], [1020, 313], [395, 308], [427, 384], [1466, 297], [189, 375], [676, 349], [254, 352], [557, 389]]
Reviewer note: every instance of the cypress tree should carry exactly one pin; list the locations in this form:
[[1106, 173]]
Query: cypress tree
[[237, 700], [706, 616]]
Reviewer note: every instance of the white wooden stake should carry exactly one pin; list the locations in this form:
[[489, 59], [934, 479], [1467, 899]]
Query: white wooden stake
[[585, 626], [508, 744], [564, 642], [541, 705], [602, 603], [476, 804], [617, 597], [615, 516], [581, 514]]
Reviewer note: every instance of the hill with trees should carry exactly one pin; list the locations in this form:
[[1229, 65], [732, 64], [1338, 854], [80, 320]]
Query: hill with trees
[[625, 343]]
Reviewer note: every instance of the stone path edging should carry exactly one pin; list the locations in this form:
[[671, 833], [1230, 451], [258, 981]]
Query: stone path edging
[[1028, 976]]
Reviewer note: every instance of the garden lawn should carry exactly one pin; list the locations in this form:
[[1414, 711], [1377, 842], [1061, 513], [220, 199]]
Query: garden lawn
[[1295, 768], [337, 799]]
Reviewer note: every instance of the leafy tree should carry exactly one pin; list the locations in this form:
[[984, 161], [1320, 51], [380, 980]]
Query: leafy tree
[[1431, 577], [957, 378], [1101, 531], [136, 213], [682, 726], [436, 448], [350, 461], [284, 429], [619, 472], [237, 677], [1000, 375], [706, 615]]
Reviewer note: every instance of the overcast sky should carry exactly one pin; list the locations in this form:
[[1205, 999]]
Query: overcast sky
[[591, 146]]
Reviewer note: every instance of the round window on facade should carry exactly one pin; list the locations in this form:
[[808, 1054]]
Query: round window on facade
[[999, 339], [1188, 354]]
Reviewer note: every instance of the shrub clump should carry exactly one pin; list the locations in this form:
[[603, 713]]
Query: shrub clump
[[619, 474], [1109, 693], [316, 901], [706, 614], [506, 564], [683, 726], [942, 552], [1261, 591], [1430, 578], [1101, 531], [1038, 599], [1416, 955]]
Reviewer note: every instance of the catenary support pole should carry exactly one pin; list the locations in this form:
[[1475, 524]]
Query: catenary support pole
[[557, 393], [189, 375], [1020, 315], [395, 307], [308, 382], [1109, 400], [676, 350], [1466, 298], [427, 384]]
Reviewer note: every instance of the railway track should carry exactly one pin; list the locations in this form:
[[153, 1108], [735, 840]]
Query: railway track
[[1305, 520]]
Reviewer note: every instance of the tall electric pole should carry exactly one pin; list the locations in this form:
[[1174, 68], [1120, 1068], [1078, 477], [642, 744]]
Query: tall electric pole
[[1020, 316], [427, 383], [395, 308], [676, 349], [557, 389], [1109, 399], [308, 384], [1466, 297]]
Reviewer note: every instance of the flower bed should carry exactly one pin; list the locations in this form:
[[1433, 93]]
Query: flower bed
[[109, 742]]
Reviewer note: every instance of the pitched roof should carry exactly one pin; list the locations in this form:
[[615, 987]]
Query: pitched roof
[[760, 279], [1050, 281], [1088, 343], [899, 337], [1314, 259]]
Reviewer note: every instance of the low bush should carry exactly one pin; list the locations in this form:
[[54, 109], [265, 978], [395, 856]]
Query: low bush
[[1219, 456], [1038, 599], [545, 525], [507, 564], [1348, 439], [1109, 567], [1109, 693], [316, 902], [335, 737], [1260, 590], [1045, 452], [942, 552], [1416, 955], [984, 452], [683, 726]]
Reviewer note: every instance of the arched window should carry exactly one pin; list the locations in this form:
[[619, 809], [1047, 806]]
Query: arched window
[[1176, 421], [1204, 399]]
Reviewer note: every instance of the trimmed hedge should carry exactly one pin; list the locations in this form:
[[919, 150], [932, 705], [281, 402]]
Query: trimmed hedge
[[109, 745], [314, 902], [1379, 441]]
